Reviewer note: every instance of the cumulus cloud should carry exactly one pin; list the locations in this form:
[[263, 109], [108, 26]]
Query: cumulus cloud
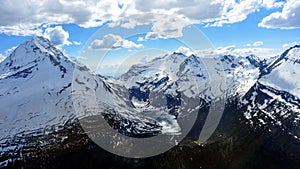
[[255, 44], [286, 45], [214, 12], [238, 11], [140, 39], [163, 26], [232, 50], [111, 41], [151, 35], [269, 4], [57, 36], [28, 17], [184, 50], [288, 18], [76, 43], [194, 10], [260, 52], [258, 43], [225, 50]]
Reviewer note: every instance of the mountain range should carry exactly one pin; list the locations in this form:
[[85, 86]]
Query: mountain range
[[49, 103]]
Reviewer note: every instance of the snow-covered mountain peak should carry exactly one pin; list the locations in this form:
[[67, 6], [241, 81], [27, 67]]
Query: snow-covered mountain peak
[[193, 59], [174, 59], [241, 72], [41, 90], [283, 74], [292, 49], [35, 83], [235, 61], [293, 54], [275, 97], [32, 52], [169, 65]]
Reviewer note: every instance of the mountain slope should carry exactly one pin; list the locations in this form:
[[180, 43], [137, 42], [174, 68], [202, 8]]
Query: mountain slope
[[285, 72], [274, 99], [35, 87]]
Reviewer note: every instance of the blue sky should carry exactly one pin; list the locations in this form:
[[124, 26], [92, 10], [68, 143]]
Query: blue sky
[[90, 28]]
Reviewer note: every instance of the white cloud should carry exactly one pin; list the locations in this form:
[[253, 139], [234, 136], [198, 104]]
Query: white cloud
[[225, 50], [260, 52], [271, 4], [111, 41], [2, 57], [140, 39], [238, 11], [163, 26], [286, 45], [288, 18], [258, 43], [57, 36], [184, 50], [194, 10], [151, 35], [255, 44], [232, 50], [28, 17], [76, 43], [213, 12]]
